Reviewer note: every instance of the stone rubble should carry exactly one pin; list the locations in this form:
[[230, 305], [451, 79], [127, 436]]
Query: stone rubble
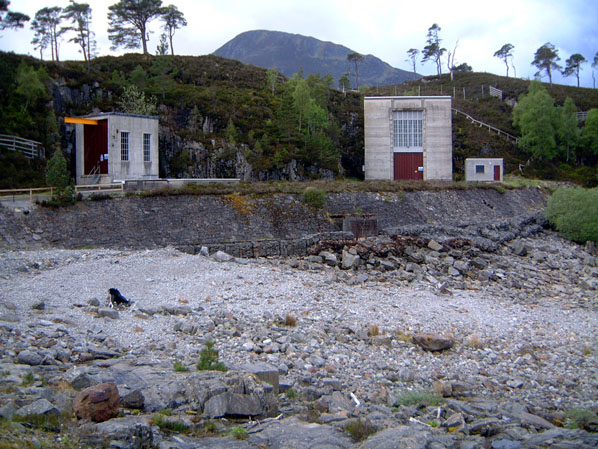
[[315, 345]]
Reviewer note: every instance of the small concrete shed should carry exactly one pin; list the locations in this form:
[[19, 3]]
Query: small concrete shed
[[115, 146], [408, 138], [484, 169]]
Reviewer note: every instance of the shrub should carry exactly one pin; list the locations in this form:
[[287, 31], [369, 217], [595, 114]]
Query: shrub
[[208, 359], [58, 177], [290, 320], [360, 429], [574, 213], [314, 197], [580, 418]]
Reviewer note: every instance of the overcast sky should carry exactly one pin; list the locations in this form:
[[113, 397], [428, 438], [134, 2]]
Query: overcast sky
[[383, 28]]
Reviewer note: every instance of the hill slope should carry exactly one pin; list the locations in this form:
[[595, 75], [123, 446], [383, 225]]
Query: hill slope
[[290, 53]]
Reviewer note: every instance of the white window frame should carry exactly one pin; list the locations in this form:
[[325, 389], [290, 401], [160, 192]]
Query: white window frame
[[147, 147], [125, 143], [407, 130]]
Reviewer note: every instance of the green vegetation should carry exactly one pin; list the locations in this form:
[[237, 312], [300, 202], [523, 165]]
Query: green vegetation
[[169, 424], [574, 213], [291, 394], [314, 197], [360, 429], [418, 399], [58, 177], [208, 359], [239, 433], [180, 367], [580, 418], [28, 379]]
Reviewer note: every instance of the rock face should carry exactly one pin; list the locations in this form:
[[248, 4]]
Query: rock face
[[98, 403]]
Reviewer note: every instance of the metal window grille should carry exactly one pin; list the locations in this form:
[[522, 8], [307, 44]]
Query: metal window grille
[[124, 146], [147, 140], [479, 169], [408, 130]]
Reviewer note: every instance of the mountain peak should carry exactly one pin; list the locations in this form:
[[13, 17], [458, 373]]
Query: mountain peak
[[291, 53]]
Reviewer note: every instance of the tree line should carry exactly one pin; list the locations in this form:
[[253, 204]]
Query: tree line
[[128, 26], [545, 59]]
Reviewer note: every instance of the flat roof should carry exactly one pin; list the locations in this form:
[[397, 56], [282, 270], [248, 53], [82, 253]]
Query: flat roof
[[121, 114], [411, 97]]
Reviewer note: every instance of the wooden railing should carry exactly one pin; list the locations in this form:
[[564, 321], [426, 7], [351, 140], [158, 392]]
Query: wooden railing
[[115, 187], [30, 148], [23, 194], [500, 132]]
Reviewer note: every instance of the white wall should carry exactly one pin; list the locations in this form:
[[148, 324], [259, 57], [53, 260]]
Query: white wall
[[437, 135], [488, 163]]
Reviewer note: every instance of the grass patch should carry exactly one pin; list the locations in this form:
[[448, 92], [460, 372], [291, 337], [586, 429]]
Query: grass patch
[[373, 330], [239, 203], [169, 425], [360, 429], [239, 433], [419, 399], [28, 380], [402, 336], [46, 423], [180, 367], [474, 341], [208, 359]]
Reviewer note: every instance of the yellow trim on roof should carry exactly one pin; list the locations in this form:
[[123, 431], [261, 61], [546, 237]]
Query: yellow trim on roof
[[81, 121]]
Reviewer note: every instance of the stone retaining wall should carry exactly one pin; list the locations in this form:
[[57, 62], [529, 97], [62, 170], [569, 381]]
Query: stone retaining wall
[[260, 225]]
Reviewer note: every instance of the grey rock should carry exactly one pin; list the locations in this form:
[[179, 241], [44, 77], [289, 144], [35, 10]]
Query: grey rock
[[133, 400], [221, 256], [434, 245], [265, 373], [39, 407], [216, 406], [518, 248], [131, 432], [29, 358], [203, 251], [329, 258], [94, 302], [108, 313], [349, 260], [8, 411], [505, 444]]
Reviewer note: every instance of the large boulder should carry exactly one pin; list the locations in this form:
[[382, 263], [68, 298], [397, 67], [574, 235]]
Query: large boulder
[[98, 403]]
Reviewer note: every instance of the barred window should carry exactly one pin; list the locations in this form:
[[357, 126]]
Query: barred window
[[407, 130], [479, 169], [147, 140], [124, 146]]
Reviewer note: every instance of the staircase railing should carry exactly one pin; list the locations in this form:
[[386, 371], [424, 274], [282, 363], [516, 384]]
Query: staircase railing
[[500, 132]]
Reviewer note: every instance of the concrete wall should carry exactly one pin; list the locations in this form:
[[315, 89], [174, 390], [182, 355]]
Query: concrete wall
[[135, 167], [488, 164], [437, 135]]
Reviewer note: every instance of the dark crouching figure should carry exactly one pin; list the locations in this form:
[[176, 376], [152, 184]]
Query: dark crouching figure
[[117, 299]]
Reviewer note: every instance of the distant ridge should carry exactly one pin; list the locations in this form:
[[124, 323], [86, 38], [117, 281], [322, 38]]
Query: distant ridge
[[290, 53]]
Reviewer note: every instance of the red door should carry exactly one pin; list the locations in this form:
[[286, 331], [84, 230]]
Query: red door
[[497, 172], [407, 166], [95, 142]]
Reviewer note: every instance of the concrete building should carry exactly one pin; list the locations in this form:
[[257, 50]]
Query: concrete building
[[408, 138], [115, 146], [484, 169]]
